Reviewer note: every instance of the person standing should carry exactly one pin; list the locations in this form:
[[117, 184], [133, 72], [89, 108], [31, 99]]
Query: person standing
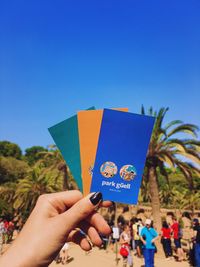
[[196, 241], [2, 232], [10, 230], [125, 239], [64, 253], [148, 237], [175, 228], [136, 231], [166, 239], [132, 234]]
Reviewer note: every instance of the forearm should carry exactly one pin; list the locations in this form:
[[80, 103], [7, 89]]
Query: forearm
[[143, 241]]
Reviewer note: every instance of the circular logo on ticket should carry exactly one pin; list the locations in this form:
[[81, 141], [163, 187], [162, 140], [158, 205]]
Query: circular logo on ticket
[[108, 169], [128, 172]]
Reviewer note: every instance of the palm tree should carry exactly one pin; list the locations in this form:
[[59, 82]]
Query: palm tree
[[166, 148], [28, 189], [52, 159], [177, 199], [190, 201], [144, 195], [166, 194], [7, 191]]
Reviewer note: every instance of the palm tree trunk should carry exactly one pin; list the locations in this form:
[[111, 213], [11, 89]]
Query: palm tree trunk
[[155, 201]]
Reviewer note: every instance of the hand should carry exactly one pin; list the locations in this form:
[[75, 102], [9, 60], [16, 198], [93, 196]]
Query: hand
[[52, 222]]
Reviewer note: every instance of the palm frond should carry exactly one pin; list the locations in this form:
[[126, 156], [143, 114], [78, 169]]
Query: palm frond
[[142, 110], [166, 158], [175, 143], [161, 114], [172, 123], [190, 129], [189, 155]]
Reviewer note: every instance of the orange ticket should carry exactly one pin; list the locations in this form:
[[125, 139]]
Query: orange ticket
[[89, 124]]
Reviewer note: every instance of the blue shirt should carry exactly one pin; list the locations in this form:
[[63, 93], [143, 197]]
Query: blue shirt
[[148, 234]]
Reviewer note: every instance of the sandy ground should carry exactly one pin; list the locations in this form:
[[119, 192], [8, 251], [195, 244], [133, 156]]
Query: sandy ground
[[101, 258]]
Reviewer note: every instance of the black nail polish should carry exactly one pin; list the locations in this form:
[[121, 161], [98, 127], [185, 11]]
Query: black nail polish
[[96, 198]]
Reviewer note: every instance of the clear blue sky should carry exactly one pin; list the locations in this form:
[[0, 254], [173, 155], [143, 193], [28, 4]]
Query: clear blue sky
[[57, 57]]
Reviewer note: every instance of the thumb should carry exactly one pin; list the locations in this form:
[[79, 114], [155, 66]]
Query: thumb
[[81, 210]]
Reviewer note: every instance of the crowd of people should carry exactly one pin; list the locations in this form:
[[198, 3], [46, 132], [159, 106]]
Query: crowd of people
[[6, 232], [140, 238]]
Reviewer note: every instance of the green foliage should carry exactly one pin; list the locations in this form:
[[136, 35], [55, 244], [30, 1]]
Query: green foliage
[[168, 150], [6, 209], [22, 195], [197, 183], [8, 149], [190, 200], [12, 169], [52, 159], [7, 191], [33, 154], [37, 182], [21, 184]]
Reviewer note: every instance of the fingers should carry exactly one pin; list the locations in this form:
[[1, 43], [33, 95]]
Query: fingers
[[63, 200], [80, 211], [91, 233], [96, 220], [67, 198], [60, 202], [80, 239], [106, 204], [73, 210]]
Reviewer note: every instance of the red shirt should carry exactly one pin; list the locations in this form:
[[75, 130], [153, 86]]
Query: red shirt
[[175, 228], [166, 232], [6, 224]]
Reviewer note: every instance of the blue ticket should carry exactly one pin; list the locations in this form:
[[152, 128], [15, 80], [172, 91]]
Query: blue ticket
[[121, 154]]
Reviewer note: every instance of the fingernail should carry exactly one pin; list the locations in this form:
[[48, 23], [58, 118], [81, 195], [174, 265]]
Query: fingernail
[[96, 198]]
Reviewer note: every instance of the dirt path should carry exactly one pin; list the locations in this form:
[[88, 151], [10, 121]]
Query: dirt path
[[99, 258]]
